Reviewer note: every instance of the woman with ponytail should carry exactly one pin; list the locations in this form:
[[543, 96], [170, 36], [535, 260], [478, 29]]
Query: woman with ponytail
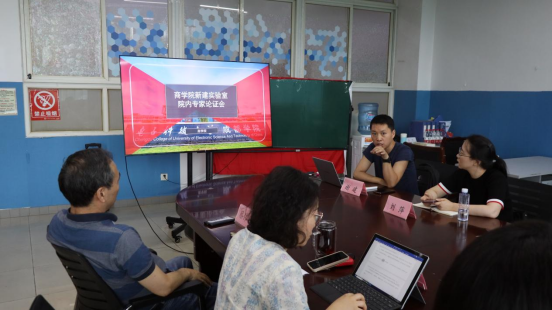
[[483, 173]]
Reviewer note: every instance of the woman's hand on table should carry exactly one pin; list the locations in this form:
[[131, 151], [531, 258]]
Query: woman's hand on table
[[446, 205]]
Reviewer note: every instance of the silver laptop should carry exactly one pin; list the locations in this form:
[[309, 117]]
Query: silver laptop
[[386, 276], [327, 172]]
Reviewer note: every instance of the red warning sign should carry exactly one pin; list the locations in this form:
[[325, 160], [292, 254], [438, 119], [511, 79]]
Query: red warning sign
[[44, 104]]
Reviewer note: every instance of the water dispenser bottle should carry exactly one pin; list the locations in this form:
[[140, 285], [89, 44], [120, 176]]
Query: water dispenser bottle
[[366, 112]]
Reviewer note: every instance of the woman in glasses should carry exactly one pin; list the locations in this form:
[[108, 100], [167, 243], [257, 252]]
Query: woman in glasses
[[257, 272], [483, 173]]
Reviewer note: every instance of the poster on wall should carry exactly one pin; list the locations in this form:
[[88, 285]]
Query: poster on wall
[[8, 102], [44, 104]]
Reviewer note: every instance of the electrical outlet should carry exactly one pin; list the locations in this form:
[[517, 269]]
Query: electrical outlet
[[164, 176]]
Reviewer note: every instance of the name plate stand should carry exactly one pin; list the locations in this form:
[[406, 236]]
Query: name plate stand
[[243, 215], [399, 208], [354, 187], [422, 282]]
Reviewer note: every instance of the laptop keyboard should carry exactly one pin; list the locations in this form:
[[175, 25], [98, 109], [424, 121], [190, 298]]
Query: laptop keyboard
[[374, 299]]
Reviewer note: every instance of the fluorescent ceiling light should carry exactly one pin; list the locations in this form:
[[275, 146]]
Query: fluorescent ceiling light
[[153, 2], [132, 17], [220, 8]]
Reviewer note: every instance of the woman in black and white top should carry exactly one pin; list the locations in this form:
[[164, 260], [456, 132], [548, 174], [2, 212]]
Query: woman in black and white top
[[483, 173]]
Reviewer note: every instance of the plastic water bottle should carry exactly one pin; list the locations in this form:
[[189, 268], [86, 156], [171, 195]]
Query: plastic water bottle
[[463, 205], [425, 134]]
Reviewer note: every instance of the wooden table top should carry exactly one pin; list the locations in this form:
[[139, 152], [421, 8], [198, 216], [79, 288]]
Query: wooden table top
[[357, 219]]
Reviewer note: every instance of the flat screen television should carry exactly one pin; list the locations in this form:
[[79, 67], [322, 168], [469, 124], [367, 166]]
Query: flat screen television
[[183, 105]]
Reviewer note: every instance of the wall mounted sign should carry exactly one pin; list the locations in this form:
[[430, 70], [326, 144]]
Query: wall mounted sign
[[8, 101], [44, 104]]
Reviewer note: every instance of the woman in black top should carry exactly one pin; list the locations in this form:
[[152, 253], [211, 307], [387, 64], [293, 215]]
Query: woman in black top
[[483, 173]]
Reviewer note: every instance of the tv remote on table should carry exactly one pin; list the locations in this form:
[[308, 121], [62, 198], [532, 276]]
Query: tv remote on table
[[219, 222]]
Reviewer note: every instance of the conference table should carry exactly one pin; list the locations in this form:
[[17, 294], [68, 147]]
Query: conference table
[[357, 219]]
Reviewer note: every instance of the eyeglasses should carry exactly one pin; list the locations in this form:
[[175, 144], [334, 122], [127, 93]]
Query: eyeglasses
[[461, 152], [318, 216]]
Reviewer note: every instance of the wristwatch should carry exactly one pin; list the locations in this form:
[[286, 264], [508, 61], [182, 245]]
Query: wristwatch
[[388, 160]]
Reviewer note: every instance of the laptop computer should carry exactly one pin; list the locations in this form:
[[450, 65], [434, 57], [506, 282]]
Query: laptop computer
[[327, 172], [386, 276]]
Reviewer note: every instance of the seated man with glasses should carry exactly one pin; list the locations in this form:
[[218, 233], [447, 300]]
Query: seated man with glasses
[[483, 173], [257, 272]]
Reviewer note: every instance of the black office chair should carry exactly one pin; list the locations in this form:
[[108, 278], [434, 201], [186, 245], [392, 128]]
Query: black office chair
[[175, 232], [451, 146], [530, 200], [431, 153], [94, 294], [430, 173], [444, 170], [427, 176]]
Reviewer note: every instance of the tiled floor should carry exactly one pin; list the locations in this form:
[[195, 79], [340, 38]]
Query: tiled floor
[[30, 266]]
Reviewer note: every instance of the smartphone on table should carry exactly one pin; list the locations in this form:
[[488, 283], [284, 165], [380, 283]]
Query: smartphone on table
[[328, 261], [383, 191]]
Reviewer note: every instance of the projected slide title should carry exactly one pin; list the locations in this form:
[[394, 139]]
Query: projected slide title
[[201, 101]]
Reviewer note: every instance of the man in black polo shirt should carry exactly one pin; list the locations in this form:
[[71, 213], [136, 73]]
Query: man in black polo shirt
[[394, 162]]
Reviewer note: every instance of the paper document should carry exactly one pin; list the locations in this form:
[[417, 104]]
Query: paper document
[[304, 272], [435, 209]]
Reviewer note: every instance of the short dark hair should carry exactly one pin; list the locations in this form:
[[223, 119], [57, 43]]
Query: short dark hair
[[383, 119], [83, 173], [482, 149], [508, 268], [279, 204]]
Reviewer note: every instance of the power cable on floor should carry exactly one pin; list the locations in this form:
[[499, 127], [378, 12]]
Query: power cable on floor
[[147, 220]]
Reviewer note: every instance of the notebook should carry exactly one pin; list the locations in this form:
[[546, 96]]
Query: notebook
[[435, 209], [386, 276], [327, 172]]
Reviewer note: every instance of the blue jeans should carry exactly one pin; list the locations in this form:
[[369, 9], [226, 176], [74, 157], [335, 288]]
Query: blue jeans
[[189, 301]]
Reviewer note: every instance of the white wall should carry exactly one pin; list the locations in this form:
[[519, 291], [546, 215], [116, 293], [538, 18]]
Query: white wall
[[10, 47], [407, 50], [427, 38], [493, 45]]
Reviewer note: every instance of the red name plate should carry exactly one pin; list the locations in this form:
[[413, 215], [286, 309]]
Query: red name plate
[[242, 218], [398, 207], [412, 214], [354, 187], [422, 283]]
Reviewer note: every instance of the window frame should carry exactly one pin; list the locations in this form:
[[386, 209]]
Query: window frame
[[372, 6], [293, 42], [105, 107], [177, 39], [27, 55]]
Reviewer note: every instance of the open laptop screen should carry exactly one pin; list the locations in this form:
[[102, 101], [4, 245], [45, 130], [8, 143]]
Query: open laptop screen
[[390, 268], [327, 171]]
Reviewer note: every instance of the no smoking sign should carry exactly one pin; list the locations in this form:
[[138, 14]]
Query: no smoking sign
[[44, 104]]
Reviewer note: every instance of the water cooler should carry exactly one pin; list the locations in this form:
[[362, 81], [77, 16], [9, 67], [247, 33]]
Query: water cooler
[[358, 144], [360, 134]]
